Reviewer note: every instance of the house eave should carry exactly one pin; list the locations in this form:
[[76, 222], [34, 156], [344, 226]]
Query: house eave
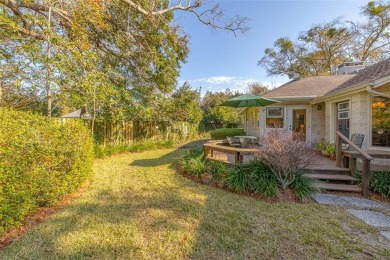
[[341, 93], [294, 98], [379, 82]]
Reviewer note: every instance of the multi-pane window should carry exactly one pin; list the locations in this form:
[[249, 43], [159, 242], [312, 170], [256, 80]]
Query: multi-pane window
[[275, 117], [380, 107]]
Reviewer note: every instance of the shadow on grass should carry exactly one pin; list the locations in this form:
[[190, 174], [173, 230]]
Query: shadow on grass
[[127, 214], [167, 158]]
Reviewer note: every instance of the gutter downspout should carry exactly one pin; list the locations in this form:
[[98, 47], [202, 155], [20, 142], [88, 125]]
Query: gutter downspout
[[370, 90]]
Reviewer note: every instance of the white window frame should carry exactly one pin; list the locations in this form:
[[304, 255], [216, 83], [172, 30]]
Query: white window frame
[[341, 104], [342, 112], [274, 108]]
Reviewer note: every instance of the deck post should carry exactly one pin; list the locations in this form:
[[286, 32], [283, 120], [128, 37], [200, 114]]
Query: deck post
[[365, 177], [237, 157], [338, 151], [205, 152]]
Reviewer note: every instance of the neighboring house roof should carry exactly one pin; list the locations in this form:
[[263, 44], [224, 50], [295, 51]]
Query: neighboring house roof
[[76, 114], [364, 76], [310, 87]]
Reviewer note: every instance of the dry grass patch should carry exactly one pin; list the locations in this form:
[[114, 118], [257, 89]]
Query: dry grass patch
[[138, 207]]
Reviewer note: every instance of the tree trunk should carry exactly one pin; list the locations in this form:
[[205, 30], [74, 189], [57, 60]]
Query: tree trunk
[[48, 93], [1, 93]]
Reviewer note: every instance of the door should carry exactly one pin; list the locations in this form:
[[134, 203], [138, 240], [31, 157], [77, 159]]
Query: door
[[297, 121], [343, 118]]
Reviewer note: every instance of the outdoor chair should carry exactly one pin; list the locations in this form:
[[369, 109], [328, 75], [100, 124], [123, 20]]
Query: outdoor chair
[[245, 142], [235, 142], [357, 139]]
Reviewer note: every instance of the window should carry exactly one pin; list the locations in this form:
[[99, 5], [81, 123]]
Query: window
[[380, 114], [343, 115], [275, 117], [343, 106]]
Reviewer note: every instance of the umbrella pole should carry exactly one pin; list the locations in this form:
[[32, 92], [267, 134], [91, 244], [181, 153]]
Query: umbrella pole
[[246, 120]]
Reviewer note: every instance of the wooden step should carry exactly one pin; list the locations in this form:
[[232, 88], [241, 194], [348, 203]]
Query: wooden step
[[337, 177], [337, 187], [332, 171]]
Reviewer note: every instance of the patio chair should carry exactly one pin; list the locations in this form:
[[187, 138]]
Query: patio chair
[[357, 139], [235, 142], [245, 142]]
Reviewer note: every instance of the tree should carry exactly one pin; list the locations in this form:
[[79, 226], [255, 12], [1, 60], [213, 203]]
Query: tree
[[371, 40], [186, 105], [219, 115], [134, 49], [257, 88], [319, 49]]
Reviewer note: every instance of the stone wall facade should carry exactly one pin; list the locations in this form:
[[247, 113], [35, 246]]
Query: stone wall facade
[[317, 123]]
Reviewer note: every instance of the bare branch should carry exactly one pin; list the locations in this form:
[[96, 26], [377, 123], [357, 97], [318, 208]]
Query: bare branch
[[213, 17]]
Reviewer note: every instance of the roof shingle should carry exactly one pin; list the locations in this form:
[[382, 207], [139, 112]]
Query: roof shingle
[[315, 86], [364, 76]]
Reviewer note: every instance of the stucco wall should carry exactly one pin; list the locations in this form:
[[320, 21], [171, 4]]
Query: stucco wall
[[317, 123], [359, 115]]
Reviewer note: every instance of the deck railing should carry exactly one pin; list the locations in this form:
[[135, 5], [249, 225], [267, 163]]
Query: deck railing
[[365, 157]]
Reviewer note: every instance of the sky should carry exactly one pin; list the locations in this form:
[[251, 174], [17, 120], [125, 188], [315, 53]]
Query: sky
[[220, 60]]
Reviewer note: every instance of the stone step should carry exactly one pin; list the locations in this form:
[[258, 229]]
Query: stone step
[[337, 187], [336, 177]]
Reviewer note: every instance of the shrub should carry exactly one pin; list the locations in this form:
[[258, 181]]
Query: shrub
[[303, 186], [286, 155], [194, 166], [193, 161], [41, 160], [216, 169], [380, 182], [254, 177], [221, 133]]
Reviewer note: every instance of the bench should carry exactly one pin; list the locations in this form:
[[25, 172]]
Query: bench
[[210, 147]]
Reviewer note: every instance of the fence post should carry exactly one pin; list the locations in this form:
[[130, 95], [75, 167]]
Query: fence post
[[338, 150]]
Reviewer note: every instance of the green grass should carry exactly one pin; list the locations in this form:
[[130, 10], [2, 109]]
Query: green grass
[[138, 207]]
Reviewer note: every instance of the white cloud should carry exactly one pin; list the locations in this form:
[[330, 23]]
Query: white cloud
[[219, 80], [220, 83]]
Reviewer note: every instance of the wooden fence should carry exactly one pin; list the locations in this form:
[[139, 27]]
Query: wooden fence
[[111, 133]]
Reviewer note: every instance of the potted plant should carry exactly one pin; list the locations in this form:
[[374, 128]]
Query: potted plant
[[327, 149], [331, 150]]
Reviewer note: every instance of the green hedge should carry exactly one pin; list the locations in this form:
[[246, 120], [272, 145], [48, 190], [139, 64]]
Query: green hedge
[[41, 160], [221, 133]]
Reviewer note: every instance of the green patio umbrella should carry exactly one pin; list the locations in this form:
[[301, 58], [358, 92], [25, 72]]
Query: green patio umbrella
[[248, 100]]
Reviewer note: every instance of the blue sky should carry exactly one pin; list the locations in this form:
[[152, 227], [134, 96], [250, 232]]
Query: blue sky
[[219, 60]]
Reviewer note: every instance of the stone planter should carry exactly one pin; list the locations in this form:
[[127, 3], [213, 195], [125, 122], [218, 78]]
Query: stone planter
[[206, 178], [220, 184]]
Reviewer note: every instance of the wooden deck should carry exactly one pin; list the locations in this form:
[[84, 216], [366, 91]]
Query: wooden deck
[[327, 174], [213, 149]]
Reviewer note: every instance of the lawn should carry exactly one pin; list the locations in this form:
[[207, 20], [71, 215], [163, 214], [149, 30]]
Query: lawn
[[139, 207]]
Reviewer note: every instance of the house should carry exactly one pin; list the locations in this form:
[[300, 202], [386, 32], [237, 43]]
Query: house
[[319, 106], [77, 114]]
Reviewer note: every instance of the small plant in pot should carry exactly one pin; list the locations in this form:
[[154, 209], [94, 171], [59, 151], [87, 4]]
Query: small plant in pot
[[331, 150], [327, 149]]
